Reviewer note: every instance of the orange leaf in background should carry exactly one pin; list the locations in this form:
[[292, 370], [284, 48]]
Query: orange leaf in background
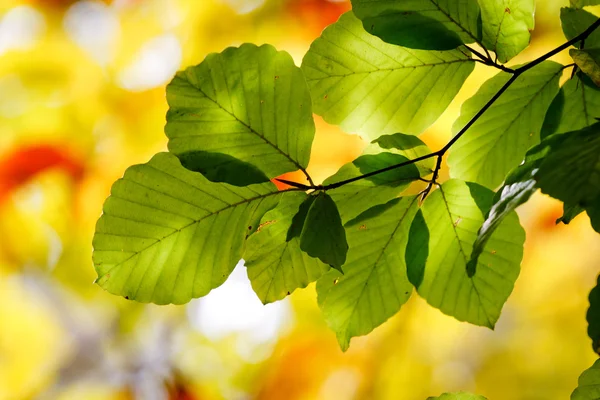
[[19, 166], [317, 14]]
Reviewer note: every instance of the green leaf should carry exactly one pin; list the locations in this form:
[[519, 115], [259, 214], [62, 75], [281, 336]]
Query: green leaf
[[297, 222], [421, 24], [276, 266], [588, 60], [168, 235], [584, 3], [323, 235], [448, 224], [518, 187], [374, 88], [576, 106], [498, 141], [506, 26], [571, 173], [569, 213], [593, 317], [242, 116], [354, 198], [374, 285], [575, 22], [458, 396], [589, 384], [593, 212]]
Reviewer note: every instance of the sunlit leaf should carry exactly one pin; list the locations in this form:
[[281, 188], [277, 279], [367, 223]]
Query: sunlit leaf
[[421, 24], [357, 197], [441, 239], [589, 384], [242, 116], [276, 266], [374, 88], [498, 141], [588, 60], [374, 285], [506, 26], [576, 21], [168, 235], [576, 106], [518, 187], [323, 234], [583, 3]]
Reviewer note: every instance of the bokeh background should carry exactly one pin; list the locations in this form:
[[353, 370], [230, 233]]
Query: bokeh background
[[82, 98]]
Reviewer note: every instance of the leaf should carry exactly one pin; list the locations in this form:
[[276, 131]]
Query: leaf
[[518, 187], [569, 213], [583, 3], [323, 235], [373, 88], [506, 26], [374, 285], [168, 235], [593, 317], [421, 24], [576, 106], [575, 22], [447, 224], [593, 212], [276, 266], [588, 61], [458, 396], [571, 173], [297, 222], [589, 384], [498, 141], [354, 198], [242, 116]]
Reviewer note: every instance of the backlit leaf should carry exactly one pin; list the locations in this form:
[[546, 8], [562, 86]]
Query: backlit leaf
[[441, 239], [421, 24], [374, 285], [498, 141], [374, 88], [589, 384], [588, 60], [168, 235], [593, 317], [276, 266], [242, 116], [576, 21], [506, 26]]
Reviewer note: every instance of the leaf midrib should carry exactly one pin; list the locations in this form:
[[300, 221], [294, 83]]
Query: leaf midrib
[[184, 227]]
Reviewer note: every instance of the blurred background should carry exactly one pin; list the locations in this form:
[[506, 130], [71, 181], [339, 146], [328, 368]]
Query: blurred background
[[82, 97]]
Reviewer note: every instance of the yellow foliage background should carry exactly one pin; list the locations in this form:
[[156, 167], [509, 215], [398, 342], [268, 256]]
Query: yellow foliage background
[[87, 78]]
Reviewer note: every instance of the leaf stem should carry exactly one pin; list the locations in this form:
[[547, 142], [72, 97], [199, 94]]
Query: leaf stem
[[487, 60], [441, 152]]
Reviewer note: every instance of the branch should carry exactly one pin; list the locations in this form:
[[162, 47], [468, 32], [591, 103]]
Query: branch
[[440, 153], [486, 60]]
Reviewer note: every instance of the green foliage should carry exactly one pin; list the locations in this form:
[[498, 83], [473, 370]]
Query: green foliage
[[323, 235], [276, 265], [242, 117], [374, 88], [441, 24], [576, 106], [589, 384], [174, 228], [440, 246], [458, 396], [507, 26], [593, 317], [575, 21], [168, 235], [588, 60], [374, 285], [498, 141]]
